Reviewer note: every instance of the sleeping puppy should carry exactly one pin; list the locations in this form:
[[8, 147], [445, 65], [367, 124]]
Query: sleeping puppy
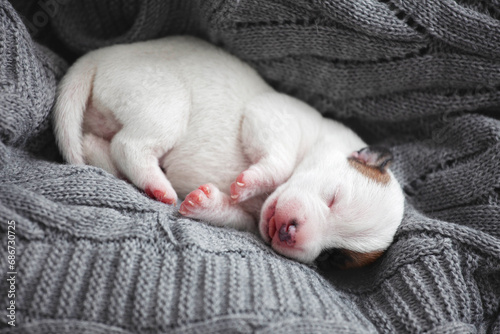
[[179, 117]]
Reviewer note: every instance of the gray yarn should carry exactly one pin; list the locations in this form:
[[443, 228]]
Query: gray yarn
[[95, 255]]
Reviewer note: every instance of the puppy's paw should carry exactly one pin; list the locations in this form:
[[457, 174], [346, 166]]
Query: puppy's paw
[[247, 185], [164, 195], [201, 201]]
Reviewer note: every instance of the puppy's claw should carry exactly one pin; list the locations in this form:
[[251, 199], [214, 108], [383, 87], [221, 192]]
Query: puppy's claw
[[203, 199], [206, 189], [160, 195]]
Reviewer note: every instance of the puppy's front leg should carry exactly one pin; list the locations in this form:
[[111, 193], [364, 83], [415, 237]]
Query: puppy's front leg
[[271, 136], [208, 203]]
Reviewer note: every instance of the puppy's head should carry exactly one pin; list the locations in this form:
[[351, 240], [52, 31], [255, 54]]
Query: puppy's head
[[347, 208]]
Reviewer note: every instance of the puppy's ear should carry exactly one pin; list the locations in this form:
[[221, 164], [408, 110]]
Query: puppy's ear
[[345, 259], [374, 156], [333, 258]]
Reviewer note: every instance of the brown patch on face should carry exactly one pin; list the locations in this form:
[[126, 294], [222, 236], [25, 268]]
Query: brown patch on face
[[356, 259], [371, 172]]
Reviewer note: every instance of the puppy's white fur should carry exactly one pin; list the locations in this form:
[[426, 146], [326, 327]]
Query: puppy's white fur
[[176, 113]]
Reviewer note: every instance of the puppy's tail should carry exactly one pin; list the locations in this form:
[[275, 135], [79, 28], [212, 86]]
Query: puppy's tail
[[72, 97]]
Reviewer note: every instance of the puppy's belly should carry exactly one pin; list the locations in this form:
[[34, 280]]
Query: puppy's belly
[[199, 159]]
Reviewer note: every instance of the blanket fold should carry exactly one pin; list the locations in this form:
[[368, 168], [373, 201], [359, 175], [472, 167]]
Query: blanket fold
[[94, 254]]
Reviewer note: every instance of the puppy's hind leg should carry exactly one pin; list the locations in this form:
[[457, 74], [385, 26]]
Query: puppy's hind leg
[[153, 125], [96, 152], [271, 136]]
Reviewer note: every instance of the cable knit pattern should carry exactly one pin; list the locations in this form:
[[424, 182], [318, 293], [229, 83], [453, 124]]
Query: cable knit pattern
[[95, 255]]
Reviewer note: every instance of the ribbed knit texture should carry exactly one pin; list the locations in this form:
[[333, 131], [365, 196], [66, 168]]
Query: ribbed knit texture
[[95, 255]]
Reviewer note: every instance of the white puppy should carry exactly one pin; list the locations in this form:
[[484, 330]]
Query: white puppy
[[178, 116]]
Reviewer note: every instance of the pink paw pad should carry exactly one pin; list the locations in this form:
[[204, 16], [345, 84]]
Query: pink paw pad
[[159, 195], [244, 187], [195, 200]]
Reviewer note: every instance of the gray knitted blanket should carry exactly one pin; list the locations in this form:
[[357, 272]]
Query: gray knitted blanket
[[92, 254]]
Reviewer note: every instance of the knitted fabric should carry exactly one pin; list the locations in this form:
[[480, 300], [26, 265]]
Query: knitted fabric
[[95, 255]]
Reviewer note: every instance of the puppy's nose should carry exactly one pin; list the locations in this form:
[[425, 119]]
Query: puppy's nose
[[287, 232]]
